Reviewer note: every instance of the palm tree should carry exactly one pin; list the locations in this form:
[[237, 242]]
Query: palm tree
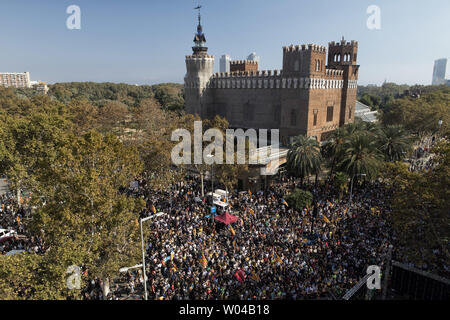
[[304, 157], [395, 142], [360, 156], [332, 148]]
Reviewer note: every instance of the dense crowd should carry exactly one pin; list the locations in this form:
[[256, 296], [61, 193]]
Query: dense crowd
[[271, 252], [12, 216]]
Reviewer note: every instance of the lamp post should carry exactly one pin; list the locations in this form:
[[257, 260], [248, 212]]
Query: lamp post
[[351, 185], [143, 250], [212, 185]]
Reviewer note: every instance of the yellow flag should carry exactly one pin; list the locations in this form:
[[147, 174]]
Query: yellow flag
[[255, 277], [171, 256], [285, 203], [232, 230], [153, 209], [278, 259], [326, 219], [203, 261]]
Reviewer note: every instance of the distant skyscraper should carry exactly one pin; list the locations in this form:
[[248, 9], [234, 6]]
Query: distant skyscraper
[[225, 63], [253, 57], [439, 72]]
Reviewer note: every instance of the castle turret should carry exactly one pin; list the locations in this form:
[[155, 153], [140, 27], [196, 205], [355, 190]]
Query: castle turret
[[200, 68], [343, 56]]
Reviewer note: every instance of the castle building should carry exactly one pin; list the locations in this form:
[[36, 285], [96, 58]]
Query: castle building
[[312, 95]]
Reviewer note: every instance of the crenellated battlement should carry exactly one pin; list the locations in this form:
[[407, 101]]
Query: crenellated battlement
[[334, 72], [304, 47], [199, 57], [240, 74], [343, 43], [235, 62]]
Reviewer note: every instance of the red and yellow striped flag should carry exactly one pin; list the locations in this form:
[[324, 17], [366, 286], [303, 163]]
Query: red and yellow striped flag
[[153, 209], [326, 219]]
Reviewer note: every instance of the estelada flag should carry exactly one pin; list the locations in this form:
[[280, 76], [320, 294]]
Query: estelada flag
[[251, 211], [255, 277], [153, 209], [203, 261], [285, 203], [326, 219], [232, 230], [171, 256]]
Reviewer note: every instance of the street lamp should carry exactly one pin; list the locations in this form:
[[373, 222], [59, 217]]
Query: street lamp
[[351, 185], [143, 249], [212, 186]]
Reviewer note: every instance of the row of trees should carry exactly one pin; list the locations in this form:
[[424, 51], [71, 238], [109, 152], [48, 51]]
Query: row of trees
[[419, 200], [355, 149], [73, 158], [169, 95]]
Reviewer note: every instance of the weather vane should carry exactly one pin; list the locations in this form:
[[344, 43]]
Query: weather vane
[[198, 8]]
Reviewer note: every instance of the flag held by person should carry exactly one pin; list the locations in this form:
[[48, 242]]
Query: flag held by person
[[232, 230], [240, 275], [278, 259], [203, 261], [326, 219], [255, 277], [153, 209]]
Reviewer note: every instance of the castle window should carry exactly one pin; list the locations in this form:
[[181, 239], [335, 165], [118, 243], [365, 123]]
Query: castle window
[[293, 117], [297, 65], [315, 117], [350, 113], [317, 65], [330, 113]]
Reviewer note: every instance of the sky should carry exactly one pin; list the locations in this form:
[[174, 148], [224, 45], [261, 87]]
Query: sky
[[145, 41]]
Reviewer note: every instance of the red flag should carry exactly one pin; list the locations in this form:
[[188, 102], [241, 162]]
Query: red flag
[[240, 275]]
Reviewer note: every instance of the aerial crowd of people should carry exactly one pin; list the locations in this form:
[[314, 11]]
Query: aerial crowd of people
[[271, 252]]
